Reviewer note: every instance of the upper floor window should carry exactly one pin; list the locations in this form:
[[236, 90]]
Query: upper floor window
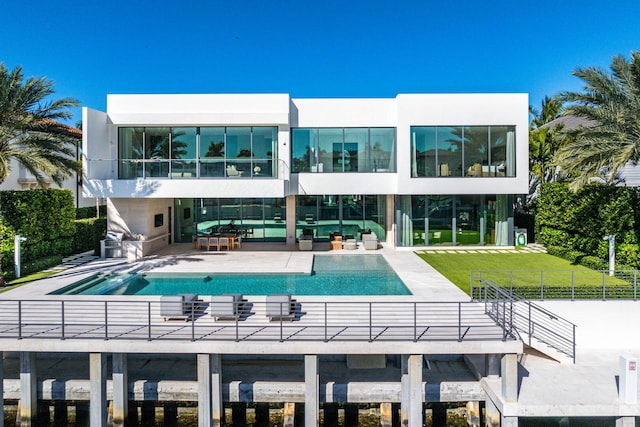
[[474, 151], [343, 150], [197, 152]]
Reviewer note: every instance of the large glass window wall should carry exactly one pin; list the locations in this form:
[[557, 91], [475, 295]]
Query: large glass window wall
[[456, 151], [197, 152], [447, 220], [347, 214], [343, 150], [255, 219]]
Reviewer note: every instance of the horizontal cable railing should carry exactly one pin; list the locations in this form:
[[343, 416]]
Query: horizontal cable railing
[[560, 284], [529, 320], [72, 319]]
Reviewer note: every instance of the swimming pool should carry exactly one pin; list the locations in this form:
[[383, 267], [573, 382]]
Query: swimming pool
[[331, 275]]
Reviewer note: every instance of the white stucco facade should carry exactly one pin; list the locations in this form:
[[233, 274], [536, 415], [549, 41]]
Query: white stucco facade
[[404, 112]]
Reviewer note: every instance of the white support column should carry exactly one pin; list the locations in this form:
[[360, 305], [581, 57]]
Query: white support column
[[204, 390], [390, 224], [626, 422], [217, 405], [509, 377], [291, 221], [120, 389], [404, 390], [415, 390], [508, 421], [491, 414], [28, 389], [97, 390], [311, 390]]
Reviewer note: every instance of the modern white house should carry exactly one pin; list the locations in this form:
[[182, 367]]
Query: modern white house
[[417, 169]]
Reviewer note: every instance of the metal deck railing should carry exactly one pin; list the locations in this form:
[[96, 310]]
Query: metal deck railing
[[561, 284], [531, 322], [327, 321]]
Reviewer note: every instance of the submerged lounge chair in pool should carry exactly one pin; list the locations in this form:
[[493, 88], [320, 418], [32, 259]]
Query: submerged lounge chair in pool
[[279, 307], [182, 306], [227, 306]]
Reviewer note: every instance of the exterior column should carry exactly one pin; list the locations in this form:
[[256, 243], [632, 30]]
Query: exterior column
[[508, 421], [289, 414], [28, 389], [626, 422], [217, 405], [390, 223], [204, 389], [415, 390], [311, 390], [291, 221], [491, 414], [386, 414], [509, 377], [97, 390], [404, 390], [120, 389], [473, 414]]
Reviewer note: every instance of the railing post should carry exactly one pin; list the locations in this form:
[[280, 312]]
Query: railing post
[[604, 295], [326, 336], [193, 320], [530, 324], [504, 319], [574, 343], [19, 320], [281, 326], [370, 323], [511, 284], [149, 320], [237, 310], [573, 285], [541, 285], [106, 322], [459, 321], [635, 282], [415, 322], [62, 318]]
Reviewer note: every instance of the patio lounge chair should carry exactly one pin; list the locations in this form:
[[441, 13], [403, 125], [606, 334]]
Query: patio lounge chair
[[370, 241], [181, 306], [279, 307], [226, 306]]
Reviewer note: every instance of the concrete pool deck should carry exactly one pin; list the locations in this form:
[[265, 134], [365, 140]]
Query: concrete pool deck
[[422, 280], [588, 388]]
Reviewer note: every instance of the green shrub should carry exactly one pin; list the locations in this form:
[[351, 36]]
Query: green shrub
[[89, 232], [33, 266], [90, 212], [628, 254]]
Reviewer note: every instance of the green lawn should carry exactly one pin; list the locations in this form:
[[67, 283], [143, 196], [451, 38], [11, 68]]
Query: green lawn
[[457, 268], [26, 279]]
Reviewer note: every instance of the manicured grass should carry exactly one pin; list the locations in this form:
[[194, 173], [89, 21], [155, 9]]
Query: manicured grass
[[457, 267], [27, 279]]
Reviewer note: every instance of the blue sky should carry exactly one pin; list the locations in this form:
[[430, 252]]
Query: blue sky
[[305, 48]]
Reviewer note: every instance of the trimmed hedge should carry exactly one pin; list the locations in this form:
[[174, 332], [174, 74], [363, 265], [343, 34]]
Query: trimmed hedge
[[578, 221], [90, 212], [89, 232]]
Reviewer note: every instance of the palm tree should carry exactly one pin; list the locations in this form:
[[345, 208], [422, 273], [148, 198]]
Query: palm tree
[[29, 129], [610, 104]]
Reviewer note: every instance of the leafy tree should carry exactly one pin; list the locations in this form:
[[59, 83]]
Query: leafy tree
[[544, 141], [29, 129], [610, 104]]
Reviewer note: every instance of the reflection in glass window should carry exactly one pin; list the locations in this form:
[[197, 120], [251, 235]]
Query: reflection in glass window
[[343, 150], [473, 151], [130, 152], [188, 152]]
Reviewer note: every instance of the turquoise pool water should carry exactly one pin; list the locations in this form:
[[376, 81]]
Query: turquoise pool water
[[331, 275]]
